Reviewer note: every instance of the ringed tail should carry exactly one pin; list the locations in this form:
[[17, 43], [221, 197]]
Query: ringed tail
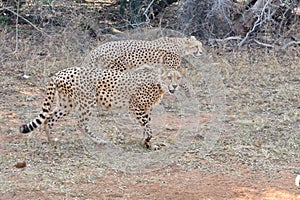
[[48, 102]]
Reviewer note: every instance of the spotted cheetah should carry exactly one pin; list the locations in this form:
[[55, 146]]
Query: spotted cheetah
[[130, 54], [84, 88]]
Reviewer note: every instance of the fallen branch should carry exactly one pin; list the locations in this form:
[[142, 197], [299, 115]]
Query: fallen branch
[[225, 39], [283, 47], [264, 44], [288, 44]]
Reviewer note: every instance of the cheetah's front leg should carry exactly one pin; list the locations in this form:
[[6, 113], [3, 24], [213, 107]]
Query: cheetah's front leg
[[144, 119], [142, 114], [147, 136], [186, 89]]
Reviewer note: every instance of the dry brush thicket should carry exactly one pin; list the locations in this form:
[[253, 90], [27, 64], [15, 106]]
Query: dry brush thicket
[[267, 23], [272, 24]]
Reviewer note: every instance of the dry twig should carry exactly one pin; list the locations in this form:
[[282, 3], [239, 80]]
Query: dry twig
[[257, 23], [20, 16]]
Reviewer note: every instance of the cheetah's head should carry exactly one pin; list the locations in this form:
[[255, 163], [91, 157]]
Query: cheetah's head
[[171, 79], [192, 46]]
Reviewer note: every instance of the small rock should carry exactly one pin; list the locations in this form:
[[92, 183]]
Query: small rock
[[297, 181], [26, 76], [20, 164]]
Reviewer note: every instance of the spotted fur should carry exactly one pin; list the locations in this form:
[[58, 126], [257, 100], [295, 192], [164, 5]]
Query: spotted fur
[[130, 54], [85, 88]]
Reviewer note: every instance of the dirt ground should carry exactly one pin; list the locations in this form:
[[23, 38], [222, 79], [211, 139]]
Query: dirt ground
[[236, 138], [256, 156]]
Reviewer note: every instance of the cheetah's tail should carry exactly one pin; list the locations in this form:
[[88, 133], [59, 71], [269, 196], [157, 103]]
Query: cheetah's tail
[[48, 102]]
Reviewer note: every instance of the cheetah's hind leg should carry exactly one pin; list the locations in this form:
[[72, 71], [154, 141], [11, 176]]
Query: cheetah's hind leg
[[84, 116], [63, 108]]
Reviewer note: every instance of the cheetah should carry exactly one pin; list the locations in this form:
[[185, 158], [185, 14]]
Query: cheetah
[[85, 88], [130, 54]]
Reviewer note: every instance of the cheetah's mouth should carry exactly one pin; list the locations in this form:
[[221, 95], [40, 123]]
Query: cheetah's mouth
[[171, 91], [197, 54]]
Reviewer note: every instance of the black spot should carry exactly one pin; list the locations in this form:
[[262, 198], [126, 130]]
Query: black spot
[[42, 116], [38, 121], [34, 125], [30, 127]]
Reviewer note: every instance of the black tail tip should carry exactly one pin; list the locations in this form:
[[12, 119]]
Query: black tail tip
[[24, 129]]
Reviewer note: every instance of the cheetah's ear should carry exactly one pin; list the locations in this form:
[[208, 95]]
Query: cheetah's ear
[[193, 38], [181, 70], [160, 70]]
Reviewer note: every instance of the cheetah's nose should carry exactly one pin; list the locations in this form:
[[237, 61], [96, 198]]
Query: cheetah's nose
[[198, 53], [172, 89]]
